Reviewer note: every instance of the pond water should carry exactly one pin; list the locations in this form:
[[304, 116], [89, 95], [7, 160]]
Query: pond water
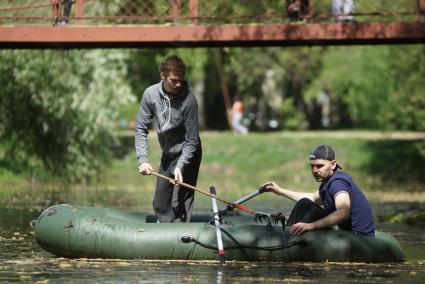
[[22, 260]]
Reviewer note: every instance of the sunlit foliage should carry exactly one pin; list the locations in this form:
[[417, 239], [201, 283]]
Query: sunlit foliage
[[58, 108]]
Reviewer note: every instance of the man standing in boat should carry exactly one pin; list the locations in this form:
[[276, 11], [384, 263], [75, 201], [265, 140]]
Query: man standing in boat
[[344, 204], [175, 108]]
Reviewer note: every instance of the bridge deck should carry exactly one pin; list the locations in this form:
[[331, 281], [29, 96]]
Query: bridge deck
[[200, 23]]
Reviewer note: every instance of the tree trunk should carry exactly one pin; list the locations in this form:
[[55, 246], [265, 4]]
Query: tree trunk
[[198, 90], [224, 87]]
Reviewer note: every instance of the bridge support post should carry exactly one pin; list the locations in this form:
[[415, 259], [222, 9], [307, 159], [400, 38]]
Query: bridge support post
[[56, 10], [421, 9], [193, 11], [79, 10], [310, 10], [176, 9]]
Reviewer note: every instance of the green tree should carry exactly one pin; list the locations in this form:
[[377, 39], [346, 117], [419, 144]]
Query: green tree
[[405, 107], [294, 69], [379, 87], [58, 109]]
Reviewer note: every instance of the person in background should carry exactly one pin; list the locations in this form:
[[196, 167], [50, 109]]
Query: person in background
[[175, 108], [324, 101], [297, 9], [237, 117], [344, 204], [66, 12], [343, 10]]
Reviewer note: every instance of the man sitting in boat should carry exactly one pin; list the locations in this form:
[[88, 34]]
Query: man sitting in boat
[[344, 204]]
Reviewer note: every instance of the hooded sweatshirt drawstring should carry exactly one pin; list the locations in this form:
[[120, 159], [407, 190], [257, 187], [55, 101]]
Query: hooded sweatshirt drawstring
[[167, 100], [182, 134]]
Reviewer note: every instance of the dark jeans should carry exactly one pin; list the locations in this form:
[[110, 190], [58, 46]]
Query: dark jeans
[[173, 203], [67, 5], [306, 211]]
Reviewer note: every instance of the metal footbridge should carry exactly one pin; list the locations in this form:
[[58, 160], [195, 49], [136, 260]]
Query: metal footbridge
[[206, 23]]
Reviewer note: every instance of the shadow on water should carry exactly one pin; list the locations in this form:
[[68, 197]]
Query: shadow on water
[[392, 159], [21, 259]]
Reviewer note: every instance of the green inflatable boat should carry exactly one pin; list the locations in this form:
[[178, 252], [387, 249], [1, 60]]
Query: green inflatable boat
[[88, 232]]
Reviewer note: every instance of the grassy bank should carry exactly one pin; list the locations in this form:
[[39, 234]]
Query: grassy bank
[[238, 165]]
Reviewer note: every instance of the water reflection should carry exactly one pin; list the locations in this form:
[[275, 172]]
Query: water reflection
[[21, 259], [219, 276]]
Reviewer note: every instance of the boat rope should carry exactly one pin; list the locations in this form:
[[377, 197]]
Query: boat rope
[[270, 218], [189, 239]]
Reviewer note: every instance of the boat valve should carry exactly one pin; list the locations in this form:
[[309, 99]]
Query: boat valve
[[185, 239], [33, 223]]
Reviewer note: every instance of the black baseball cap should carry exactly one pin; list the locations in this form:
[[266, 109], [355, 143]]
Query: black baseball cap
[[323, 152]]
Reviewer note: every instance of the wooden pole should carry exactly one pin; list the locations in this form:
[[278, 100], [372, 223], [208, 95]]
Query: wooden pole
[[238, 206]]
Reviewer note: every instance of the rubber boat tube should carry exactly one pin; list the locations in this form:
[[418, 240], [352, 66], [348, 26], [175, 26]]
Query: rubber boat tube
[[88, 232]]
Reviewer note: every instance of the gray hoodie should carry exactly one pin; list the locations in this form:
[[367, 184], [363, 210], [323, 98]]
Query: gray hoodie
[[177, 128]]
